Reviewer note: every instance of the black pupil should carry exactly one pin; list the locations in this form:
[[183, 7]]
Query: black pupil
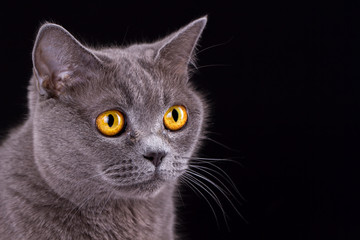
[[175, 115], [110, 120]]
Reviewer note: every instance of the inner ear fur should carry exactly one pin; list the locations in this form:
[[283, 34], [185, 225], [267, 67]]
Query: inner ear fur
[[57, 57]]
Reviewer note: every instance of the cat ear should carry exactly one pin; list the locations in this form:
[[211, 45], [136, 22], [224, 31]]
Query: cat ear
[[176, 51], [58, 59]]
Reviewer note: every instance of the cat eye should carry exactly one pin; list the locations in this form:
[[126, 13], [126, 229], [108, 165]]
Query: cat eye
[[175, 117], [110, 122]]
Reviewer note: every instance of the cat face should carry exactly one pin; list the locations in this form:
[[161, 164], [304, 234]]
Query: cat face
[[131, 90]]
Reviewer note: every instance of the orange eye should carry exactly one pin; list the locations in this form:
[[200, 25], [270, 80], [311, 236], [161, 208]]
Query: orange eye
[[175, 117], [110, 122]]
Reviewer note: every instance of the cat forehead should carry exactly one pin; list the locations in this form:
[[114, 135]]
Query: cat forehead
[[145, 52], [127, 64], [132, 79]]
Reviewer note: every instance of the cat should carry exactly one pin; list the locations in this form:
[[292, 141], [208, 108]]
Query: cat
[[108, 134]]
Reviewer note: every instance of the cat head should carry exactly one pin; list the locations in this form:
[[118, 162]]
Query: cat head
[[114, 121]]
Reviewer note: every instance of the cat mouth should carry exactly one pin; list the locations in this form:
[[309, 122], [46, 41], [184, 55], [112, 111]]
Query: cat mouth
[[142, 188], [150, 184], [156, 177]]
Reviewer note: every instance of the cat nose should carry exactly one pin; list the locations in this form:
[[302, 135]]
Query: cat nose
[[155, 157]]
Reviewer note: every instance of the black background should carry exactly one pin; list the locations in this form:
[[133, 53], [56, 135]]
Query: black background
[[284, 88]]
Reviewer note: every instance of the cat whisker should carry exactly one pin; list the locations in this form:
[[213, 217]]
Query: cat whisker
[[223, 174], [209, 191], [225, 193], [72, 213], [179, 194], [230, 197], [79, 181], [220, 144], [188, 183], [213, 46], [126, 32], [76, 209], [137, 178], [212, 65], [94, 176], [105, 203], [207, 160]]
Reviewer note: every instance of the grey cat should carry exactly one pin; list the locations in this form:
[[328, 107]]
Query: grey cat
[[108, 134]]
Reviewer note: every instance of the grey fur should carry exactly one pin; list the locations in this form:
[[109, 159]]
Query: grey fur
[[61, 179]]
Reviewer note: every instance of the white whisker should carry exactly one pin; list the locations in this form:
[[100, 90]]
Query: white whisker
[[179, 194], [188, 182], [206, 160], [212, 65], [220, 144], [213, 46], [217, 187], [225, 177], [77, 207], [209, 191], [219, 180], [105, 203]]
